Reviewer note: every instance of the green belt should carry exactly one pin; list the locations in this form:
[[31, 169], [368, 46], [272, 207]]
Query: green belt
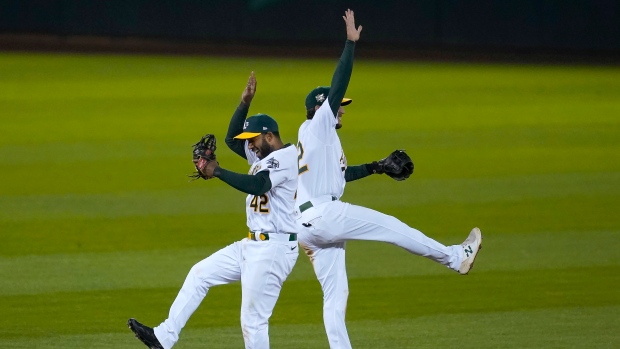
[[265, 236], [306, 205]]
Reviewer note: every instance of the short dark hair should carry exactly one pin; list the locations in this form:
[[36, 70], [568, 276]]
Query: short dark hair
[[277, 134], [310, 113]]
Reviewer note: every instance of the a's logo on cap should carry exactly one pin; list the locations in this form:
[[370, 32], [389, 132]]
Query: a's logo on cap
[[320, 98], [245, 125]]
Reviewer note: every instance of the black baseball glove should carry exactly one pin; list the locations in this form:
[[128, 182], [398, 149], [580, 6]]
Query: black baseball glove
[[202, 155], [397, 165]]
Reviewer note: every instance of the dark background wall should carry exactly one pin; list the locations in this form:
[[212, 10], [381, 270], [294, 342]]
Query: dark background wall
[[549, 24]]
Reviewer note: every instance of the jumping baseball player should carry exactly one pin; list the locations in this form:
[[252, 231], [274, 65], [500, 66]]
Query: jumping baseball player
[[326, 223], [264, 259]]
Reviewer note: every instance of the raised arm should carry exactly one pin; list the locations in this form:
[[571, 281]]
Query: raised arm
[[236, 122], [342, 75]]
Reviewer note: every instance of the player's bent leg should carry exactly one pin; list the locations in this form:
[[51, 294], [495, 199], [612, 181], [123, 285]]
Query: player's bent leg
[[265, 267], [361, 223], [220, 268], [330, 268]]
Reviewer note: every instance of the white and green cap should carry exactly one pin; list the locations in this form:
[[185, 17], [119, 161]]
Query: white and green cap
[[319, 95], [257, 124]]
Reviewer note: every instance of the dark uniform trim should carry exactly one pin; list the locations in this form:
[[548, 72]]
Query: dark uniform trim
[[306, 205], [265, 236]]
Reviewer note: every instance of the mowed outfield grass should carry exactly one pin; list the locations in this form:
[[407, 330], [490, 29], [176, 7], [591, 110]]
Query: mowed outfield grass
[[98, 222]]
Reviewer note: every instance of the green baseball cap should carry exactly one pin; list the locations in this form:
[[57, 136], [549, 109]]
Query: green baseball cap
[[319, 95], [257, 124]]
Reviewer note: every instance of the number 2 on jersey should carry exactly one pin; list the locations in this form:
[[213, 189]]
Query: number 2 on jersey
[[300, 149], [260, 206]]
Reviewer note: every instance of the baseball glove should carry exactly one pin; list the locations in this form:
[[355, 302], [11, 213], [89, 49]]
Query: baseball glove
[[203, 153], [397, 165]]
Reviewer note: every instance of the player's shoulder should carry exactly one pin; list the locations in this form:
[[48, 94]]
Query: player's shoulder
[[282, 158], [323, 117], [325, 108]]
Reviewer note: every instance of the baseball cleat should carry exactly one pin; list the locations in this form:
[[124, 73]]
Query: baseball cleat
[[470, 246], [144, 334]]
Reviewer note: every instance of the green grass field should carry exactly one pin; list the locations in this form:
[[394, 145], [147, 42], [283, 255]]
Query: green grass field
[[98, 222]]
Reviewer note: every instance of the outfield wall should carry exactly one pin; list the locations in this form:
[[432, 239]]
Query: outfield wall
[[549, 24]]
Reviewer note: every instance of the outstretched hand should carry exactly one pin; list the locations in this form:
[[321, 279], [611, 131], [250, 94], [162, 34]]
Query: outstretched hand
[[250, 90], [205, 167], [353, 34]]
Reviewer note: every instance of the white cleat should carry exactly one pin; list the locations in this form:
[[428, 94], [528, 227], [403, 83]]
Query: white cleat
[[471, 246]]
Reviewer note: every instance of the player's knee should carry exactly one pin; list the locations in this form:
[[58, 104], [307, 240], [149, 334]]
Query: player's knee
[[252, 323], [335, 308], [334, 315], [198, 277]]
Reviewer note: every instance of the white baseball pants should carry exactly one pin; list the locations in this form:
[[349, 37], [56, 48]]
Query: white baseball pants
[[262, 267], [325, 228]]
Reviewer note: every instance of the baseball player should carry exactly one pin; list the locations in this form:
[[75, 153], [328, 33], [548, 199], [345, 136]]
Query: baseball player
[[264, 259], [326, 223]]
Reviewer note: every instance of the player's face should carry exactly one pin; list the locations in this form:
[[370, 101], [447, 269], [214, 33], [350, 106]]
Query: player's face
[[339, 116], [260, 146]]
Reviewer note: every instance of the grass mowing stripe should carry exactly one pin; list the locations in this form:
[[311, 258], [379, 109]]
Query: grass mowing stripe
[[182, 231], [501, 252], [509, 188], [124, 270], [123, 204], [561, 139], [149, 232], [587, 213], [426, 190], [188, 200], [372, 298], [485, 291], [569, 327]]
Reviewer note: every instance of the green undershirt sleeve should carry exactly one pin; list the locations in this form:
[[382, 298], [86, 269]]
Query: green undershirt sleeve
[[356, 172], [257, 184], [342, 75], [235, 128]]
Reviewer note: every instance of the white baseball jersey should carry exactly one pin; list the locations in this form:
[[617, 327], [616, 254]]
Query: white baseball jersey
[[261, 266], [319, 146], [273, 212], [327, 225]]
